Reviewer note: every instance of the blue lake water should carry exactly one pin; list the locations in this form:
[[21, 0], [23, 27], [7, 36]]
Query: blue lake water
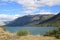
[[32, 30]]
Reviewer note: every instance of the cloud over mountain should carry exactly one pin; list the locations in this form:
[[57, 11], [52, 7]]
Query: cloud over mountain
[[5, 17], [25, 7]]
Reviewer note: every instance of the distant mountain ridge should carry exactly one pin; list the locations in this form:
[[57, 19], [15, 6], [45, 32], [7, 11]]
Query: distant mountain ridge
[[54, 21], [29, 20]]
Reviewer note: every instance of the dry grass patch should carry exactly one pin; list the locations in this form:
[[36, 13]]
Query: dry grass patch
[[5, 35], [37, 37]]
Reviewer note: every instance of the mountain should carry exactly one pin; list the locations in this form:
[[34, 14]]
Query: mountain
[[53, 21], [29, 20]]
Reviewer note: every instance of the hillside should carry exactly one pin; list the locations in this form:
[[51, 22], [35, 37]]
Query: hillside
[[29, 20], [54, 21]]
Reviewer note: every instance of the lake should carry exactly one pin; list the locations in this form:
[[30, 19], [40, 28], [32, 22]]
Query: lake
[[32, 30]]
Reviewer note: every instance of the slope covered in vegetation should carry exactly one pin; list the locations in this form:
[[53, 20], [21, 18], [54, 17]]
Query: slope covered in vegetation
[[54, 21], [29, 20], [54, 33], [5, 35]]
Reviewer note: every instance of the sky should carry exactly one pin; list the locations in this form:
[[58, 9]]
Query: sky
[[12, 9]]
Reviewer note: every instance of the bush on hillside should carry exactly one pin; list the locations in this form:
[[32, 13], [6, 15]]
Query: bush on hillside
[[55, 33]]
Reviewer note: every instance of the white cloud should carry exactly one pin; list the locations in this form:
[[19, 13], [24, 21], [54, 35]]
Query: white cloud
[[51, 2], [29, 6], [6, 17], [28, 12], [46, 12], [33, 4]]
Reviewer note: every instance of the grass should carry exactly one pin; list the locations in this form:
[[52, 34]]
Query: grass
[[5, 35]]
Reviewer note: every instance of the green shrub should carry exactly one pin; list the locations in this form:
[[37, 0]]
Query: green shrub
[[22, 33], [55, 33]]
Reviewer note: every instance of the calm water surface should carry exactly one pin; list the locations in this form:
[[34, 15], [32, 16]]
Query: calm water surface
[[32, 30]]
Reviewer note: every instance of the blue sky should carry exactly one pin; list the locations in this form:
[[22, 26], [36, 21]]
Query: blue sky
[[12, 9]]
